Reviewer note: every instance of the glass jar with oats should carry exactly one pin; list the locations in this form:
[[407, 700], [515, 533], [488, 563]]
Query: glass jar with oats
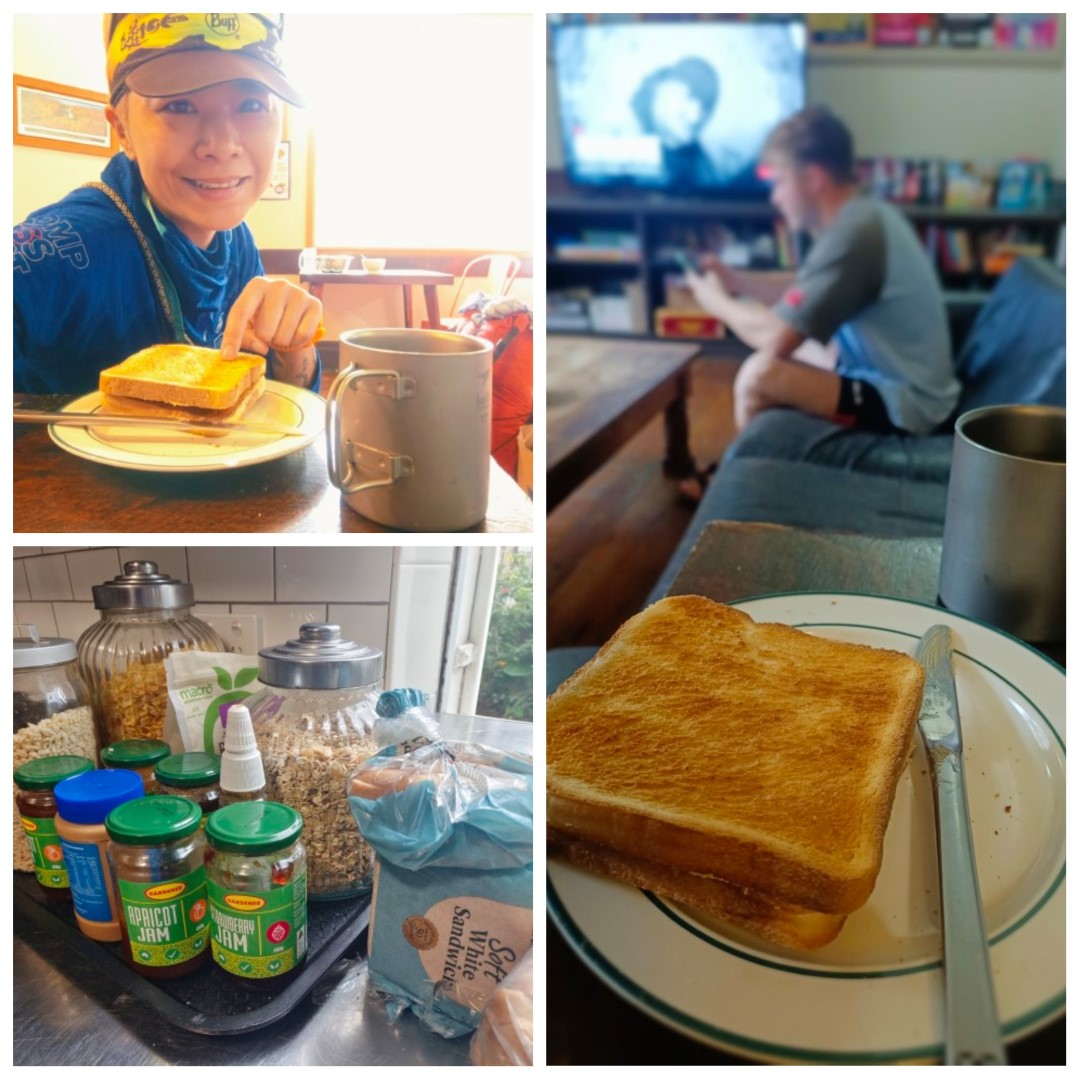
[[145, 616], [312, 721], [51, 715]]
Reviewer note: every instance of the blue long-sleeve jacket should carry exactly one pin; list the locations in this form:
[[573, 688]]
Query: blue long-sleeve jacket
[[84, 298]]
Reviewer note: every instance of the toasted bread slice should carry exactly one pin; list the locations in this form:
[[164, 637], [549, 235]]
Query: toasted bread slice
[[792, 927], [125, 406], [701, 740], [184, 375]]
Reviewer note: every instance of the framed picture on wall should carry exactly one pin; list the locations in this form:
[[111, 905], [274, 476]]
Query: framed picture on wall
[[58, 117], [278, 188]]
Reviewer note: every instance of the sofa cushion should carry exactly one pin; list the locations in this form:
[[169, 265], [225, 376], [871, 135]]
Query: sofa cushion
[[789, 435], [812, 496], [1015, 352]]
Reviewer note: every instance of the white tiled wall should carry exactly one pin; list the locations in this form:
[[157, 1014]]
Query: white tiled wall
[[364, 589]]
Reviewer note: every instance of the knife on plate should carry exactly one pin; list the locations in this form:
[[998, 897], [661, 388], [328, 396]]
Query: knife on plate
[[76, 419], [972, 1028]]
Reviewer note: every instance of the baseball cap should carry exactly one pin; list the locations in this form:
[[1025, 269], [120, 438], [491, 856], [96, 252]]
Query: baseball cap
[[166, 54]]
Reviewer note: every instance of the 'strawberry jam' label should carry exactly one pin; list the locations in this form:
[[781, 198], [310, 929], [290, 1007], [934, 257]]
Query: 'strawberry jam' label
[[46, 852], [259, 935], [167, 921]]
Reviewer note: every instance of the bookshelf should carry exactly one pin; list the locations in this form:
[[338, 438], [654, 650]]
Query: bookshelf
[[611, 264]]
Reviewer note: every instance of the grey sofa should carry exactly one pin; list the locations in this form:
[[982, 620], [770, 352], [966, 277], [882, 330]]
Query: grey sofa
[[788, 468]]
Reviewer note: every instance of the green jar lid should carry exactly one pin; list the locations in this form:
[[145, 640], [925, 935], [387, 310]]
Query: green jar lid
[[193, 769], [156, 819], [131, 753], [44, 773], [254, 828]]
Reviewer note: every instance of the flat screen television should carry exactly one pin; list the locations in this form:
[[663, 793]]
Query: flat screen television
[[680, 106]]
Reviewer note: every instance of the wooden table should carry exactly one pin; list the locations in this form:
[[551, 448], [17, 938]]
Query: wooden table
[[600, 392], [588, 1023], [58, 492], [429, 280]]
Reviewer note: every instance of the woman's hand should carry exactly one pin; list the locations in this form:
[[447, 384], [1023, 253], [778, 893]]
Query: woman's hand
[[272, 314]]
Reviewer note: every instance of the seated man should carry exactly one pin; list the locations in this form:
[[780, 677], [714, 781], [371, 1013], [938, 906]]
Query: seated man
[[861, 337]]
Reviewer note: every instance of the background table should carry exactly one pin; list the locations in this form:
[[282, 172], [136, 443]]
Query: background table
[[588, 1023], [428, 280], [65, 1013], [54, 491], [600, 392]]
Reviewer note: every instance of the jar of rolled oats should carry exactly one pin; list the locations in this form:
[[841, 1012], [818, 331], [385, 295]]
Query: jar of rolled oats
[[312, 721], [51, 714], [145, 615]]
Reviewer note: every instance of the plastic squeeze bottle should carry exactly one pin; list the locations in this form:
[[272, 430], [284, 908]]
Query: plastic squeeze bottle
[[242, 776]]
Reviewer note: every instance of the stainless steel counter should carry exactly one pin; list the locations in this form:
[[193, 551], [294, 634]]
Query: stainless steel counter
[[67, 1013]]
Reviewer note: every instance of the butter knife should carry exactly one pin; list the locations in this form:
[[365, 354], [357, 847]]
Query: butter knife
[[76, 419], [972, 1028]]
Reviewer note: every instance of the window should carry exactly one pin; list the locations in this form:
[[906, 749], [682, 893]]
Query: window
[[488, 661], [421, 127]]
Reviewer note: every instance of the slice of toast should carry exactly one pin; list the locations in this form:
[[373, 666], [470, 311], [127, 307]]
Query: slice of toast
[[703, 741], [185, 375], [127, 406], [792, 927]]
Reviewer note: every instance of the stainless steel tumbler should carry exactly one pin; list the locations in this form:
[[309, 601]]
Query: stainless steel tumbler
[[409, 427], [1003, 558]]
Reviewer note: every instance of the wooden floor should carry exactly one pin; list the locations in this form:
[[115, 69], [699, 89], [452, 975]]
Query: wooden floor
[[609, 541]]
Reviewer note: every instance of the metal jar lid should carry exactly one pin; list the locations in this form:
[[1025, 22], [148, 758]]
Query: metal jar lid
[[42, 652], [141, 586], [320, 659]]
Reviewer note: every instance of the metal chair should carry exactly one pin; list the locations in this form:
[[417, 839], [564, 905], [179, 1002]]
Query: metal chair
[[501, 272]]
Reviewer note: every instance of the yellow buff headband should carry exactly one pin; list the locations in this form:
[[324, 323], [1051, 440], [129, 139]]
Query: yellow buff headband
[[161, 55]]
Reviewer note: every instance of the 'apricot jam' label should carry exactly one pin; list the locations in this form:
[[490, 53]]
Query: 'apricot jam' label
[[167, 923]]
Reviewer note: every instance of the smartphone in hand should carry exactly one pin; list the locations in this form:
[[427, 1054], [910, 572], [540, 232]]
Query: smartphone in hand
[[686, 262]]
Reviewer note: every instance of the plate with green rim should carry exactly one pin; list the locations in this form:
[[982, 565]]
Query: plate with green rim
[[875, 994], [175, 450]]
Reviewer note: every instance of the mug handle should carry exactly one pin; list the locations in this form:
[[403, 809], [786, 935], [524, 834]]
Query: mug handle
[[341, 473]]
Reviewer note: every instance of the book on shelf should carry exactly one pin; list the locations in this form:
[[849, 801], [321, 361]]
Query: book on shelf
[[1023, 185], [852, 31], [600, 245], [904, 31], [1026, 33], [964, 31]]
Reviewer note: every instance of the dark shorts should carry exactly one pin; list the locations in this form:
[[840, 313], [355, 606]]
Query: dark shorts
[[861, 406]]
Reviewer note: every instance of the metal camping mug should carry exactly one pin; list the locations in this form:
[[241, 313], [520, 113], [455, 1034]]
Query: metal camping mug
[[1003, 556], [409, 428]]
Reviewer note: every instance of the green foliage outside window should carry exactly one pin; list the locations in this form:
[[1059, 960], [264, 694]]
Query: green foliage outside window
[[506, 685]]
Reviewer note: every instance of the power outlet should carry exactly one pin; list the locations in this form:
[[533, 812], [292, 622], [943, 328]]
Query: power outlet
[[241, 633]]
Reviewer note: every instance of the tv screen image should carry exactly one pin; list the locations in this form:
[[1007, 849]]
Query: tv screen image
[[682, 106]]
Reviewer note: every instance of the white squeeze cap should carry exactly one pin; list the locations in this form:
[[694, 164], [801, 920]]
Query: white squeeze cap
[[241, 763]]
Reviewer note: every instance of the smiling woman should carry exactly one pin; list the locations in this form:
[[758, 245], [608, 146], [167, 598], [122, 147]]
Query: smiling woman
[[157, 250]]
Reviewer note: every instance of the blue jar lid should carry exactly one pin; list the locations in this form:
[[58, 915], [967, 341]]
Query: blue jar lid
[[86, 799]]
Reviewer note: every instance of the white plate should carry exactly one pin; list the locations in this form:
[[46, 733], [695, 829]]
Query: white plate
[[875, 993], [160, 449]]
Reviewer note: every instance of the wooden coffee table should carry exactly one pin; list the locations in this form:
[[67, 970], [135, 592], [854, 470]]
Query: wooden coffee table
[[600, 392]]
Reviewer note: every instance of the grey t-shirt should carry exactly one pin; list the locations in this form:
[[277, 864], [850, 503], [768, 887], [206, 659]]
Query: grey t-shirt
[[868, 283]]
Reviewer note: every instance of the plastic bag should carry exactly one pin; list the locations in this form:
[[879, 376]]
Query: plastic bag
[[451, 825], [402, 719], [505, 1033]]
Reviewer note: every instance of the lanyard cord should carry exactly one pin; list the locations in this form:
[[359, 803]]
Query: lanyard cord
[[163, 286]]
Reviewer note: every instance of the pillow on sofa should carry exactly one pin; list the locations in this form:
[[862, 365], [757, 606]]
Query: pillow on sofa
[[1015, 352]]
